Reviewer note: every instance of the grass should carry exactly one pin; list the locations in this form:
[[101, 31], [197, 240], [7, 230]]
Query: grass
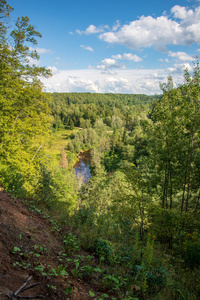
[[59, 140]]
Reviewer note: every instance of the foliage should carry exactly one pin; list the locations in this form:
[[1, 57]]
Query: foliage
[[173, 143], [71, 245], [84, 109], [104, 250], [24, 108], [56, 190]]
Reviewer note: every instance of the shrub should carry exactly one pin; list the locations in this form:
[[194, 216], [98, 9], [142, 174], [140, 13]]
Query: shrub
[[104, 250]]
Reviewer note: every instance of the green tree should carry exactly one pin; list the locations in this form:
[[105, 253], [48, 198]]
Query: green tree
[[24, 108], [173, 143]]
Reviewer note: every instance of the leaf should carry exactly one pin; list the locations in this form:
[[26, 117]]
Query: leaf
[[68, 291], [105, 296], [15, 249], [98, 270], [63, 273], [91, 294]]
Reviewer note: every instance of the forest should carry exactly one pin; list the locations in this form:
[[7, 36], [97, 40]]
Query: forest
[[139, 214]]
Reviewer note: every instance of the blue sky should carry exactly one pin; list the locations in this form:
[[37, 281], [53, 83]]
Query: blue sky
[[113, 46]]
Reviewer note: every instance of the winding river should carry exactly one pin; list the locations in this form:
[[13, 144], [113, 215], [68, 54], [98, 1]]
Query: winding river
[[82, 167]]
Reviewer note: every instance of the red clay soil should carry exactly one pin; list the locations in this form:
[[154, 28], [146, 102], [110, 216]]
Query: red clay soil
[[22, 228]]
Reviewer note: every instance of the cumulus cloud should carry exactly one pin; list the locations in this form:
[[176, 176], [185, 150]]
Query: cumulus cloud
[[144, 81], [92, 29], [180, 12], [144, 32], [128, 56], [53, 69], [108, 64], [87, 48], [179, 67], [181, 28], [181, 56]]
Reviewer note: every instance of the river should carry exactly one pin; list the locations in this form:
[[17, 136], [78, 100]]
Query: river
[[82, 167]]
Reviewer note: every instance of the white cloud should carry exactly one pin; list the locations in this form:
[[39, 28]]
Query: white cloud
[[53, 69], [179, 67], [92, 29], [128, 56], [116, 25], [78, 31], [182, 28], [122, 81], [181, 56], [180, 12], [40, 50], [108, 64], [163, 60], [31, 61], [145, 32], [87, 48]]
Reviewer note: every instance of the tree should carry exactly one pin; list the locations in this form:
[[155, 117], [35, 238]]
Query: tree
[[5, 10], [24, 108], [174, 142]]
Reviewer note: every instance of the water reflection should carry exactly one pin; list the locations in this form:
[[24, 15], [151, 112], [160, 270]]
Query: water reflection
[[82, 167]]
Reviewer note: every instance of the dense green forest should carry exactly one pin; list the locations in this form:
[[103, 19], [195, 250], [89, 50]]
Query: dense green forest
[[83, 109], [139, 213]]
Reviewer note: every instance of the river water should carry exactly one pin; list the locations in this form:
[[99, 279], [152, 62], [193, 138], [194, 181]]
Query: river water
[[82, 167]]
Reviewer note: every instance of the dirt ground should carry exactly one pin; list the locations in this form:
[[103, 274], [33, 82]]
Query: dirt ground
[[27, 230]]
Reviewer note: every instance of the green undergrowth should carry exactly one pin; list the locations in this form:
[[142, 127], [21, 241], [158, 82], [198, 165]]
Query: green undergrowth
[[145, 253], [138, 270], [58, 141]]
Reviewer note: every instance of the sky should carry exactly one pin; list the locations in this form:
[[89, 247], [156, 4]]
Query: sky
[[112, 46]]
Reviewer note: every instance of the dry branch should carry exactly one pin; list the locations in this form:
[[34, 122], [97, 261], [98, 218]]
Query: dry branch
[[24, 288]]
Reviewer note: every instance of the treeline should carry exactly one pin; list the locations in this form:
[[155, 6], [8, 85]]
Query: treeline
[[83, 109]]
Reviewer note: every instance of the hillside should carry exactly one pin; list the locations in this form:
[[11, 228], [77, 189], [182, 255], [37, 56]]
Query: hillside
[[31, 245]]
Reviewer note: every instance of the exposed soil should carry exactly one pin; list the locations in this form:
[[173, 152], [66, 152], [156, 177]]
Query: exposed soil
[[28, 230]]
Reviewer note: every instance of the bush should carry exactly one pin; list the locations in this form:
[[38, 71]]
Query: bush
[[104, 250], [191, 253], [71, 244]]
